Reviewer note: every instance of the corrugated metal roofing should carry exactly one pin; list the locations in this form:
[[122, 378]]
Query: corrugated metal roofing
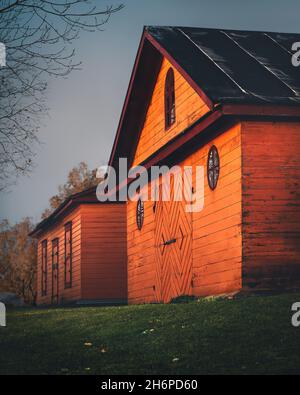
[[235, 66]]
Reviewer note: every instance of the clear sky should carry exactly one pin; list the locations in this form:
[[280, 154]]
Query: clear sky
[[85, 108]]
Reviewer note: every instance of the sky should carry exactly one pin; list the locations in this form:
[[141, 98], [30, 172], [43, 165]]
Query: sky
[[85, 108]]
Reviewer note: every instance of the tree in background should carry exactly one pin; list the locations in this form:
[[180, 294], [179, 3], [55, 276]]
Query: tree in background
[[79, 179], [18, 251], [39, 38], [18, 256]]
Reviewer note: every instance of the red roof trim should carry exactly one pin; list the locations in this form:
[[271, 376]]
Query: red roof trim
[[232, 111], [195, 86], [127, 97], [86, 197], [147, 36], [176, 143], [261, 110], [182, 139]]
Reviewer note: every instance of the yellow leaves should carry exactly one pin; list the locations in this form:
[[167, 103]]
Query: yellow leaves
[[103, 349], [147, 331]]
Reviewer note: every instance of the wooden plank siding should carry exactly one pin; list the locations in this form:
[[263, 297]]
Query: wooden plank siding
[[104, 263], [98, 255], [140, 255], [271, 205], [58, 231], [189, 108], [216, 231]]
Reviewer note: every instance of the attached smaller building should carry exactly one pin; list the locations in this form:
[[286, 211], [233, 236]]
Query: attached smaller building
[[82, 252]]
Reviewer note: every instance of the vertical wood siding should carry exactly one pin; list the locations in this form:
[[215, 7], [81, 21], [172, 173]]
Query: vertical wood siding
[[189, 108], [216, 231], [271, 205], [99, 270], [143, 284], [58, 231], [104, 263]]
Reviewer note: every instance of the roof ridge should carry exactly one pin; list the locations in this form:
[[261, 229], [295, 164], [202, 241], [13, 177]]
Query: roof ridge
[[218, 29]]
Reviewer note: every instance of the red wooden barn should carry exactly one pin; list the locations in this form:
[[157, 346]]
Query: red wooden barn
[[228, 101], [82, 252]]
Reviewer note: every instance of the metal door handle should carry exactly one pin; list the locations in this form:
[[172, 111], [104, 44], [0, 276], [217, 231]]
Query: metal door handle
[[166, 243]]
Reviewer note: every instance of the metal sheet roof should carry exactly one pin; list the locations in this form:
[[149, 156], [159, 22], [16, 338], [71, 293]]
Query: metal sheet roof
[[234, 66]]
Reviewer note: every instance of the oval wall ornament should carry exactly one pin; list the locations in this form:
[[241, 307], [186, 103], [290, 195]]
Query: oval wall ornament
[[213, 167], [140, 211]]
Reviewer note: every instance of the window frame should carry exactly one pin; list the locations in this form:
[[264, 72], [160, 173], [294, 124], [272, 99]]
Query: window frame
[[68, 228], [44, 267], [55, 244], [170, 102], [140, 214], [213, 186]]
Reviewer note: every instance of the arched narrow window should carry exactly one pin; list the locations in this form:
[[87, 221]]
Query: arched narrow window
[[169, 99]]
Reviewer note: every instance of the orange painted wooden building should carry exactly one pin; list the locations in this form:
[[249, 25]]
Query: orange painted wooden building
[[82, 253], [228, 101]]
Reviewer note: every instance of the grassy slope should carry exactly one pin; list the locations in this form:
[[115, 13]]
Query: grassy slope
[[252, 335]]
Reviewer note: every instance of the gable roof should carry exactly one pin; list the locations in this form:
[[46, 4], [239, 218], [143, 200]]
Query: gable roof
[[225, 67], [87, 196], [68, 204], [235, 66]]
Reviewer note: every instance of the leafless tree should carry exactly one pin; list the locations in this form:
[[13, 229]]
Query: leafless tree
[[39, 38]]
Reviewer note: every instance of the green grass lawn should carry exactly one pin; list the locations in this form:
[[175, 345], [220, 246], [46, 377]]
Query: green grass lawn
[[249, 335]]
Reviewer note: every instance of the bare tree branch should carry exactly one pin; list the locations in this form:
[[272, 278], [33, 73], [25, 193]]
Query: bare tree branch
[[39, 37]]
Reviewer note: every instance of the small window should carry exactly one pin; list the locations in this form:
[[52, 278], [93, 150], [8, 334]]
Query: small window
[[55, 263], [169, 99], [44, 268], [213, 167], [140, 210], [68, 255]]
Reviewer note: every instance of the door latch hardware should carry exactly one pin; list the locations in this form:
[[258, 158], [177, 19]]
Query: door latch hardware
[[166, 243]]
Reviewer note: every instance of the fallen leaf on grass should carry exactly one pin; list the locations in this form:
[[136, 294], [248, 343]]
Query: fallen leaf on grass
[[147, 331]]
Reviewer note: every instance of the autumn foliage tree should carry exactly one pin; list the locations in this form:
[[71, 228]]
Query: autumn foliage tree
[[79, 179], [18, 256], [18, 251]]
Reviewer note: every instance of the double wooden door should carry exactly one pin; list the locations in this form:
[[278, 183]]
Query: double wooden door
[[173, 244]]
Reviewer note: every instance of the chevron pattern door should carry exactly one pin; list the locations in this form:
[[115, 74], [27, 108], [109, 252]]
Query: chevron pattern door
[[173, 242]]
